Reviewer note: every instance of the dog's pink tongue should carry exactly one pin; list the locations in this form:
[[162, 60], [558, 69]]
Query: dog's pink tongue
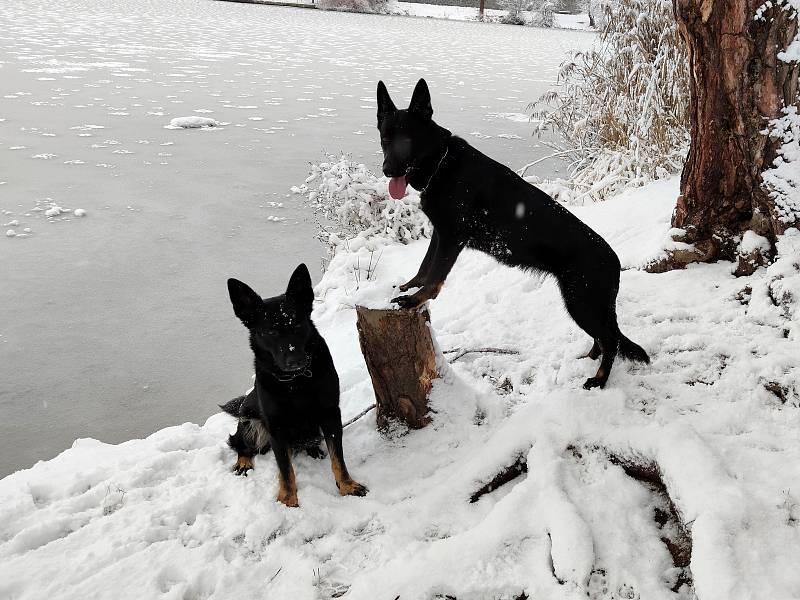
[[397, 187]]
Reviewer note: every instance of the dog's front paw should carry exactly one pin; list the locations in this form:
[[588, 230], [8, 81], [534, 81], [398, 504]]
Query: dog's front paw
[[352, 488], [288, 499], [408, 285], [594, 382], [243, 465], [412, 301]]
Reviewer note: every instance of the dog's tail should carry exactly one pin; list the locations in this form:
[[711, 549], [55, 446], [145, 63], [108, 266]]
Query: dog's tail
[[233, 407], [631, 350]]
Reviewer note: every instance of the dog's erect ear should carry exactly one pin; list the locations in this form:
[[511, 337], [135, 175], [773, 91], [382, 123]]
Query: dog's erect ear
[[299, 290], [421, 100], [385, 104], [245, 301]]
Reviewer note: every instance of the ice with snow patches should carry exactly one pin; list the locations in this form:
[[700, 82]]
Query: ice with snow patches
[[717, 411], [192, 123]]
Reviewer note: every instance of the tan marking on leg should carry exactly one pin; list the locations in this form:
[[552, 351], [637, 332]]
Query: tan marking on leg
[[435, 289], [346, 484], [243, 464], [287, 494]]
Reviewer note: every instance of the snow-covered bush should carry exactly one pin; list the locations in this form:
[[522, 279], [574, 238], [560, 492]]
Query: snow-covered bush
[[782, 179], [515, 11], [351, 202], [544, 12], [364, 6], [621, 107], [597, 9]]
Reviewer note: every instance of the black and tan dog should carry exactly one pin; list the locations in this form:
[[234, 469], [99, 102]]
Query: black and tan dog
[[475, 202], [295, 400]]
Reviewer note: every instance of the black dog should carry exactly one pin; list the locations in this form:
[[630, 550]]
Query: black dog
[[473, 201], [296, 392]]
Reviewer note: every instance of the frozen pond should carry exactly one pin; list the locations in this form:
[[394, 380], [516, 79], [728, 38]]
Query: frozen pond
[[118, 323]]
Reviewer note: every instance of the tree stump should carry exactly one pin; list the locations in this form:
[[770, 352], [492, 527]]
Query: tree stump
[[401, 360]]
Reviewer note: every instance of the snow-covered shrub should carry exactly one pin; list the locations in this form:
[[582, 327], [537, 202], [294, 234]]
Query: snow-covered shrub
[[782, 179], [544, 12], [597, 9], [364, 6], [515, 11], [350, 202], [622, 107]]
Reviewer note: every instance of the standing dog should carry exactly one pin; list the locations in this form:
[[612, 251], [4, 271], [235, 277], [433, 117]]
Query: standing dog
[[296, 392], [473, 201]]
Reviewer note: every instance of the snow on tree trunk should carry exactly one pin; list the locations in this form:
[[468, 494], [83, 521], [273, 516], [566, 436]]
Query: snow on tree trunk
[[401, 360], [738, 85]]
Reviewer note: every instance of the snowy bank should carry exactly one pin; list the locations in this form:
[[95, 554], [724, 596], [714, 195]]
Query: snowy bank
[[717, 412]]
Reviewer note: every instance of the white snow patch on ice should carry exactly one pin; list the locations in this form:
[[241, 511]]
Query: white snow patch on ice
[[192, 122]]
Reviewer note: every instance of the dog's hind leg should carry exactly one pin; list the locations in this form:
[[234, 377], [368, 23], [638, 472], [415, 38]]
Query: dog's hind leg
[[251, 438], [594, 353], [590, 302], [244, 450], [608, 348]]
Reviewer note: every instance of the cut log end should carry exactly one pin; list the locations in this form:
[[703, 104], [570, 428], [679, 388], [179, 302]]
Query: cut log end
[[401, 359]]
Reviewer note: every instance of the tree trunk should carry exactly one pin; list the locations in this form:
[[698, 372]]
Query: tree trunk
[[480, 9], [737, 85], [401, 360]]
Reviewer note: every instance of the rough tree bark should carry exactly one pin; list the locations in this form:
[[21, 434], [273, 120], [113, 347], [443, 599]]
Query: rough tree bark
[[401, 360], [737, 85]]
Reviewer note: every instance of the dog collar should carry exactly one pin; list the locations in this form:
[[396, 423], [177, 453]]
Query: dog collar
[[289, 376], [441, 160]]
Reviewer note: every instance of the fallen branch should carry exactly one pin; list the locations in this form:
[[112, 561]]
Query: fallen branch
[[459, 352], [358, 416], [510, 473]]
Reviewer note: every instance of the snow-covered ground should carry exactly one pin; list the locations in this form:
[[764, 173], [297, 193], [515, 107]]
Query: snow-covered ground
[[717, 411], [116, 324]]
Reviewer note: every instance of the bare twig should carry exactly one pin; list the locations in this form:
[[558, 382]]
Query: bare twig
[[522, 170], [358, 416], [270, 580], [459, 352]]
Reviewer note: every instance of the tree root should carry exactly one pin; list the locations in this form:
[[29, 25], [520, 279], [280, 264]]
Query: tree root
[[508, 474]]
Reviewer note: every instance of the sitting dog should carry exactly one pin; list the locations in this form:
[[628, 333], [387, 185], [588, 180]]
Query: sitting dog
[[296, 393], [475, 202]]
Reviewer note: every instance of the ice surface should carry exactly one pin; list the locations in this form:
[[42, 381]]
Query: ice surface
[[117, 324]]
